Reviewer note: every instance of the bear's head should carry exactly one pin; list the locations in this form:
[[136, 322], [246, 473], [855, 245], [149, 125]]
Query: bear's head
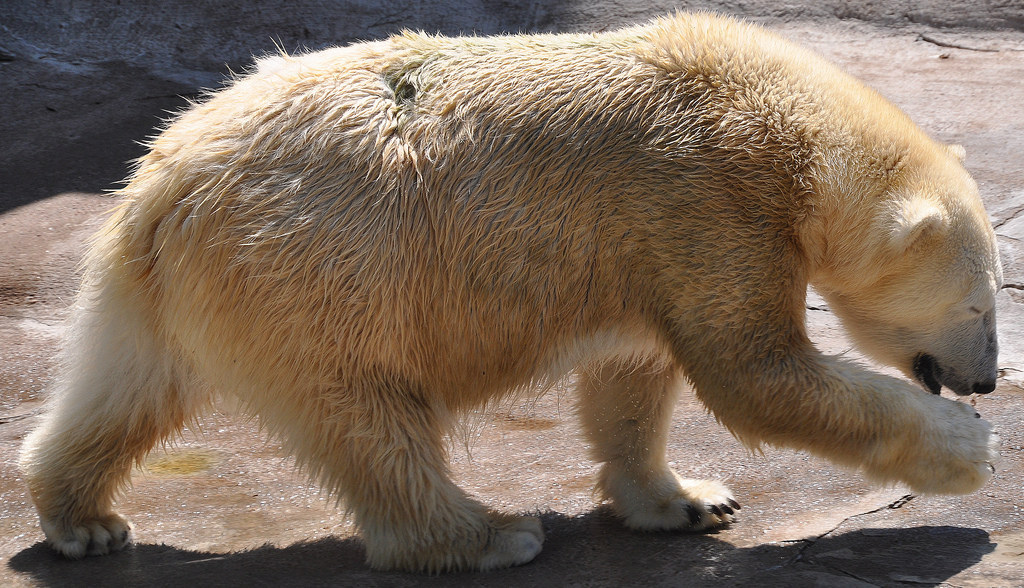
[[918, 291]]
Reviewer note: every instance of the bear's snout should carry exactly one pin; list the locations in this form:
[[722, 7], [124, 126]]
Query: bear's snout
[[933, 376], [984, 387]]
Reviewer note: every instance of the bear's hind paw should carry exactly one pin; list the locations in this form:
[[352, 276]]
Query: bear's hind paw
[[497, 541], [97, 537], [514, 543]]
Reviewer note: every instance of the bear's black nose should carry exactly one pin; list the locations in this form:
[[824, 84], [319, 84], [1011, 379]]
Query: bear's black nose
[[984, 387]]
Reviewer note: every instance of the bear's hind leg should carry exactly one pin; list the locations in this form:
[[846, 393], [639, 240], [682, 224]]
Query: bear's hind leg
[[626, 411], [115, 397], [381, 447]]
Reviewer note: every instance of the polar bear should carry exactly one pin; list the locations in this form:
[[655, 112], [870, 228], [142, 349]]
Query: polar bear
[[364, 243]]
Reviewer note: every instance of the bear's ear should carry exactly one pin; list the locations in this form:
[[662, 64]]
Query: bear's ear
[[913, 219], [957, 151]]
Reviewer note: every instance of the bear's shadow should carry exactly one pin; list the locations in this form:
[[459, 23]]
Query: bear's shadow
[[593, 549]]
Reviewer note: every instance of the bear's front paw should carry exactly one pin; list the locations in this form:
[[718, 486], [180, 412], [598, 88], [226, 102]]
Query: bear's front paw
[[664, 501], [954, 453], [711, 503], [99, 536]]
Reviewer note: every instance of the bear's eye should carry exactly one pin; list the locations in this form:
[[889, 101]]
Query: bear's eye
[[965, 311]]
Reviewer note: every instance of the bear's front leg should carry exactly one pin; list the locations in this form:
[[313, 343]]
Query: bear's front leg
[[626, 411], [890, 429]]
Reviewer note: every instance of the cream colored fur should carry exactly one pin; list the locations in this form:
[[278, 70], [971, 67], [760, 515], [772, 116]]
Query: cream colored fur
[[364, 243]]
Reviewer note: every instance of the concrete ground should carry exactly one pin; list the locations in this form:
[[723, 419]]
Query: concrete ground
[[224, 506]]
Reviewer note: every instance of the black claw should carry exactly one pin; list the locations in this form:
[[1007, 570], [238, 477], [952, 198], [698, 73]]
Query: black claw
[[716, 511], [734, 504], [728, 510], [694, 515]]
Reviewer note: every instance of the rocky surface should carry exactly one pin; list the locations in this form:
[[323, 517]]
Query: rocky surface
[[82, 83]]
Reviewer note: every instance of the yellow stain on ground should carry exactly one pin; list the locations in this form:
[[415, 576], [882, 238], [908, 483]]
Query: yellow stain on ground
[[181, 462]]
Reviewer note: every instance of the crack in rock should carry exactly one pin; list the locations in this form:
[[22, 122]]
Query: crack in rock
[[898, 503], [1013, 215], [18, 417], [940, 43], [849, 574]]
